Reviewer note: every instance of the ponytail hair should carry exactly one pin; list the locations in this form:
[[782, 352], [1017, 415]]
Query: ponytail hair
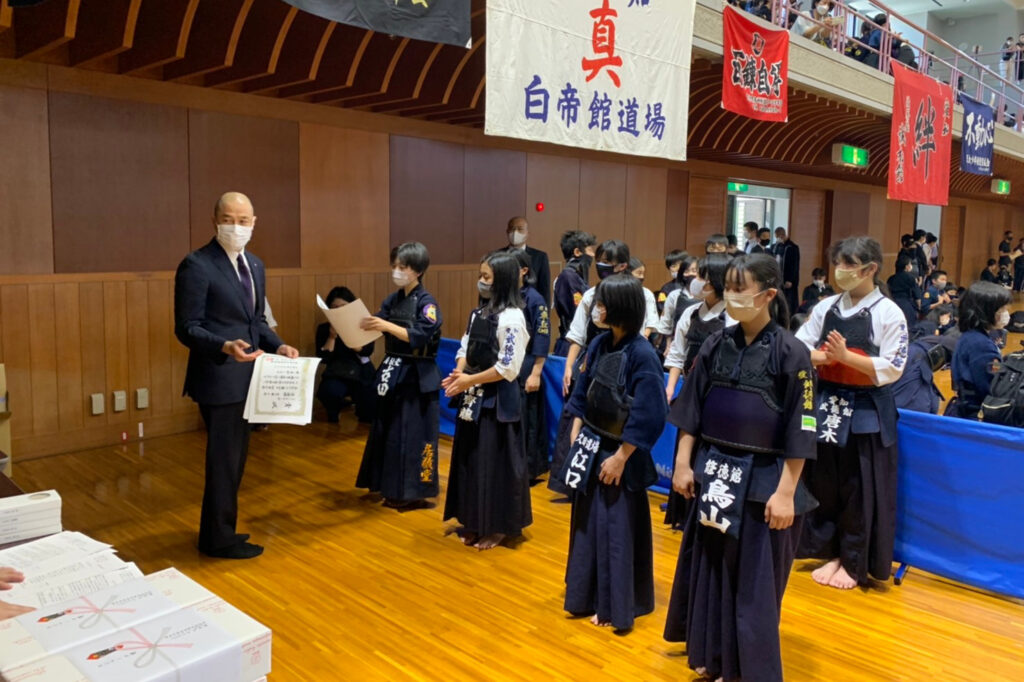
[[859, 251], [764, 271]]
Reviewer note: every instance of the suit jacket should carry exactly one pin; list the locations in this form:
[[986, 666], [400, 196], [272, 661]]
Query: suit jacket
[[788, 255], [209, 309], [541, 269]]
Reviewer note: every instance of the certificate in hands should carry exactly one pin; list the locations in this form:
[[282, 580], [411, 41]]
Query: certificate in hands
[[281, 390], [346, 320]]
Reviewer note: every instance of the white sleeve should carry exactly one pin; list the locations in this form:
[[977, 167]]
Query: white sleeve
[[668, 311], [677, 351], [651, 318], [891, 330], [578, 329], [810, 331], [512, 340], [461, 353]]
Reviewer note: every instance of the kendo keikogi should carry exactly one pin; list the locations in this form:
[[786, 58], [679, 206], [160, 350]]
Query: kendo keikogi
[[620, 397], [400, 459], [750, 408]]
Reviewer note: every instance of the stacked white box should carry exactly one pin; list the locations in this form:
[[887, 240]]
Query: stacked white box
[[28, 516]]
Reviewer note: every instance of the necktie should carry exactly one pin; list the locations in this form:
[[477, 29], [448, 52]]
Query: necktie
[[243, 275]]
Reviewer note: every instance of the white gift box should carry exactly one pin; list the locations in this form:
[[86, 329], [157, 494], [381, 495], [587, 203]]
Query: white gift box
[[254, 637], [42, 502], [49, 669]]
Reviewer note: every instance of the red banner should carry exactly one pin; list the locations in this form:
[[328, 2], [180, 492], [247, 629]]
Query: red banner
[[921, 142], [756, 68]]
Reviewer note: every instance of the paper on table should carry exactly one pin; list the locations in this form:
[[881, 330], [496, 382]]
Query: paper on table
[[65, 546], [345, 321], [281, 390]]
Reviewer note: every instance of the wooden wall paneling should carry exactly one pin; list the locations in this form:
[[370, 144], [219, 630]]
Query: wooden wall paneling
[[344, 205], [494, 191], [290, 318], [309, 316], [134, 219], [850, 213], [258, 157], [676, 199], [68, 324], [40, 29], [18, 357], [806, 230], [705, 211], [426, 196], [137, 325], [26, 225], [951, 242], [162, 391], [180, 404], [115, 334], [43, 349], [94, 357], [646, 196], [555, 182], [603, 199]]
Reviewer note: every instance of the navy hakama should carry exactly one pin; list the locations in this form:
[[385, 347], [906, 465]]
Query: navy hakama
[[535, 433]]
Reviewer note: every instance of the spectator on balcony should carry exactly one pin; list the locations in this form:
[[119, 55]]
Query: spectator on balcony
[[818, 26], [857, 48], [1009, 50], [881, 26], [1018, 62]]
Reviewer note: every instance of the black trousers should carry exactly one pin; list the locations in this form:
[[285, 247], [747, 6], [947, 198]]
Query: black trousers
[[227, 444]]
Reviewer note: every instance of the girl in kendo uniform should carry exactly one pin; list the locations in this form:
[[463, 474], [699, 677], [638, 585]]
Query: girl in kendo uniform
[[618, 412], [400, 459], [488, 482], [746, 424], [696, 324], [858, 342]]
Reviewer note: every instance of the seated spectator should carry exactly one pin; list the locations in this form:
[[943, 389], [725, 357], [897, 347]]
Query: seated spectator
[[818, 289], [1005, 278], [881, 22], [857, 47], [983, 309], [818, 26], [348, 374], [991, 272]]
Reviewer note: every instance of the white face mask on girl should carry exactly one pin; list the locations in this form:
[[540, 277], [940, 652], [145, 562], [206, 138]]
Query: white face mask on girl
[[697, 288], [1002, 319], [401, 278], [597, 314], [234, 237]]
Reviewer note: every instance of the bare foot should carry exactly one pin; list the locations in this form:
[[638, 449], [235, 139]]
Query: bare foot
[[823, 575], [842, 580], [598, 622], [489, 541]]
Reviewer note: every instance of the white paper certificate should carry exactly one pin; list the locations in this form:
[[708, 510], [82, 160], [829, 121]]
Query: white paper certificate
[[281, 390], [346, 320]]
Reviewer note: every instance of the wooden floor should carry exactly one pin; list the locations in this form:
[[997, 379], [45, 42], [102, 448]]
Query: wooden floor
[[354, 591]]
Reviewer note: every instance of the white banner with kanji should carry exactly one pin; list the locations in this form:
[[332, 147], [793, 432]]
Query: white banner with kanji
[[612, 75]]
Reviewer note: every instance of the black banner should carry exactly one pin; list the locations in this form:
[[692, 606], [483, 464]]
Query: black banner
[[436, 21]]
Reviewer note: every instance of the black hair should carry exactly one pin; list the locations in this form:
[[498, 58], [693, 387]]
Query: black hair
[[731, 238], [818, 272], [623, 299], [765, 272], [796, 322], [683, 267], [575, 239], [635, 263], [614, 251], [980, 304], [918, 234], [902, 261], [523, 259], [344, 293], [505, 285], [412, 255], [906, 240], [880, 19], [931, 238], [717, 239], [675, 257], [937, 273], [991, 262], [750, 225], [764, 230], [712, 271], [862, 251]]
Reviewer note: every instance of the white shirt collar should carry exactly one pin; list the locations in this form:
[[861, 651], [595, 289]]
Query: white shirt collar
[[232, 255], [846, 304]]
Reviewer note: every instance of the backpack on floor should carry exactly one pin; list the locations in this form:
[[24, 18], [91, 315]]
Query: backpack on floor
[[1004, 403], [1016, 324], [915, 389]]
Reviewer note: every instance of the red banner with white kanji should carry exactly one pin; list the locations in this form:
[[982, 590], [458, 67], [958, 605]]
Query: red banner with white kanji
[[921, 142], [755, 72]]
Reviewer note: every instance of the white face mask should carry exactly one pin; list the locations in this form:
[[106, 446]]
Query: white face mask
[[822, 9], [234, 237], [597, 317], [401, 278], [742, 307], [819, 282], [517, 238], [1002, 319], [697, 288]]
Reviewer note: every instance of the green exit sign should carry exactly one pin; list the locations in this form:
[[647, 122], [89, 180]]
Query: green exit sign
[[1000, 186], [738, 187], [849, 156]]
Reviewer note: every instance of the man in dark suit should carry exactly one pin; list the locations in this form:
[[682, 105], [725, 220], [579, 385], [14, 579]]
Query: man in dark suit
[[788, 255], [219, 315], [518, 231]]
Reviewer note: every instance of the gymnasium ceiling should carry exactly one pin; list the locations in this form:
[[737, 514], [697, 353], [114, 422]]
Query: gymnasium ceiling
[[271, 49]]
